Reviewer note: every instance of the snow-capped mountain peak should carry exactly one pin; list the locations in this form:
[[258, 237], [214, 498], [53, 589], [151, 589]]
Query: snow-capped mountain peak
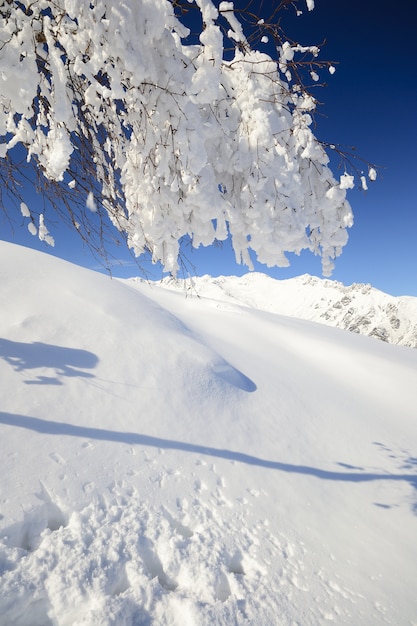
[[359, 307]]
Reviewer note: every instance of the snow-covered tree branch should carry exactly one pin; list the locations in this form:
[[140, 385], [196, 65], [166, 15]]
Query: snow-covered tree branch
[[115, 106]]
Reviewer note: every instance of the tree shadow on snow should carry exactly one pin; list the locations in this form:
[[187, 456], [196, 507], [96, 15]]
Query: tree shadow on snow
[[71, 430], [62, 361]]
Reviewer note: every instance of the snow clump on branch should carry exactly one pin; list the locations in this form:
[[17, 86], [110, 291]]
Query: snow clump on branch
[[178, 140]]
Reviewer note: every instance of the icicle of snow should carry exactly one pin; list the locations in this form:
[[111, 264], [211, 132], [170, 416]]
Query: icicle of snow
[[287, 51], [32, 229], [90, 203], [56, 152], [372, 174], [310, 4], [43, 232], [24, 209]]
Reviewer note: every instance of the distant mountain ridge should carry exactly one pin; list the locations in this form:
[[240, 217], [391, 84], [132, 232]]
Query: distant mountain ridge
[[359, 308]]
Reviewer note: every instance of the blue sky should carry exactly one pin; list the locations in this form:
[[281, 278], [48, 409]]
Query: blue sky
[[370, 103]]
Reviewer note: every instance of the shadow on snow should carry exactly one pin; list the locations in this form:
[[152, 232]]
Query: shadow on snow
[[63, 361], [70, 430]]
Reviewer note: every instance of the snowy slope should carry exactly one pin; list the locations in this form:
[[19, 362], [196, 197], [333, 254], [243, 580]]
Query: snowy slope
[[166, 460], [359, 308]]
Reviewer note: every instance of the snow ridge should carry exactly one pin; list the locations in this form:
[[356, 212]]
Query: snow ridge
[[359, 308]]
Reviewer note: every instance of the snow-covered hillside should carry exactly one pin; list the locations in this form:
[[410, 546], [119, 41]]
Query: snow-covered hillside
[[359, 307], [182, 461]]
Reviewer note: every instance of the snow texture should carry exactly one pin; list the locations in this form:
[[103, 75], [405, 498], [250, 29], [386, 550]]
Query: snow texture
[[359, 308], [162, 126], [174, 461]]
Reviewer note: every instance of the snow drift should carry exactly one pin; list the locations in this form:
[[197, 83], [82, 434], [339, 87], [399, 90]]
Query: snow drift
[[169, 461]]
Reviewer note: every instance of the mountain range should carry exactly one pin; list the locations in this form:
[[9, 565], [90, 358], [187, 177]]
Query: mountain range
[[359, 308]]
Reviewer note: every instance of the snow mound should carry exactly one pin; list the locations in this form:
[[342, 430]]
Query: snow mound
[[359, 308], [172, 461]]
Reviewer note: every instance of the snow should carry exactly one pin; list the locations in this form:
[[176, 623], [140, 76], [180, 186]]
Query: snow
[[113, 92], [24, 209], [181, 460], [347, 181], [43, 233], [90, 202], [358, 308]]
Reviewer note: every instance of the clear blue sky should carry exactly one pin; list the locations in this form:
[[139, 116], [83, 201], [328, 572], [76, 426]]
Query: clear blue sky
[[370, 103]]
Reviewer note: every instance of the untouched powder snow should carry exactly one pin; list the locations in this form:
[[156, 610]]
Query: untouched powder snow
[[359, 307], [169, 461]]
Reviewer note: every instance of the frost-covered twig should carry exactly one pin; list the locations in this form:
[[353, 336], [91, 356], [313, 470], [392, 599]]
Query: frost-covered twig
[[165, 136]]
